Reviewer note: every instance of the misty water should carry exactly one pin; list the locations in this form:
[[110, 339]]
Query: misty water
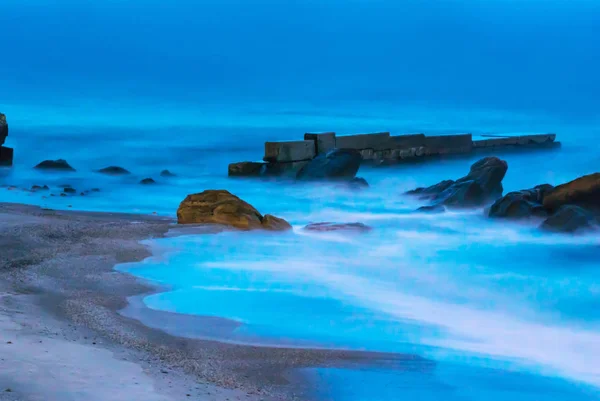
[[505, 311]]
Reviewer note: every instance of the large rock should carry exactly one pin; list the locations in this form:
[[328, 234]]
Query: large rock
[[222, 207], [6, 156], [483, 184], [584, 191], [337, 164], [570, 219], [59, 164], [521, 204]]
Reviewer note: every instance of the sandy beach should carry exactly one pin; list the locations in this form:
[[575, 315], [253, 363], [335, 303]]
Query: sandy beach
[[62, 336]]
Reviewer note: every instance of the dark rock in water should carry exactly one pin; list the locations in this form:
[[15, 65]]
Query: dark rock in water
[[113, 170], [147, 181], [437, 208], [327, 227], [69, 190], [481, 185], [3, 128], [59, 164], [167, 173], [40, 188], [358, 183], [432, 191], [337, 164], [521, 204], [95, 190], [570, 219], [222, 207], [6, 156], [63, 194], [246, 169], [584, 191]]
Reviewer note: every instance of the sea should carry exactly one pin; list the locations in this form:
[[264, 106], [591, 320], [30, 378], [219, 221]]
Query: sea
[[503, 311]]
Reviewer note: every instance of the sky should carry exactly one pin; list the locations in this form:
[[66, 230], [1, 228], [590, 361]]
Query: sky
[[505, 54]]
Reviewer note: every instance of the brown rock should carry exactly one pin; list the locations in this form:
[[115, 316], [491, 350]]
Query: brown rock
[[584, 191], [273, 223], [222, 207]]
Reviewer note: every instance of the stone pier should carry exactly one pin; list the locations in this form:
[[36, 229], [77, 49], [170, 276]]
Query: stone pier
[[381, 148]]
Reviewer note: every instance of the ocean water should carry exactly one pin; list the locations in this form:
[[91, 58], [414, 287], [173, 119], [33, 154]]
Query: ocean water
[[504, 311]]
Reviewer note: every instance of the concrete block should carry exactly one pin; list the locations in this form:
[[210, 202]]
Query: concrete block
[[246, 169], [6, 156], [495, 142], [284, 169], [289, 151], [407, 141], [448, 144], [536, 139], [324, 141], [375, 141]]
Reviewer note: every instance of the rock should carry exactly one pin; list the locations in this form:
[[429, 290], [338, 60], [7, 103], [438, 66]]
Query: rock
[[59, 164], [432, 191], [113, 170], [570, 219], [273, 223], [246, 169], [327, 227], [3, 128], [584, 191], [481, 185], [95, 190], [167, 173], [6, 156], [222, 207], [358, 183], [521, 204], [69, 190], [337, 164], [40, 188], [147, 181]]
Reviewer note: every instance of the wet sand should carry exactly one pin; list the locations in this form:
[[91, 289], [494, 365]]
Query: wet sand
[[62, 336]]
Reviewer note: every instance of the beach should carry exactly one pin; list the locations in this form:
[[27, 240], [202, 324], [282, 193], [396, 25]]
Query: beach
[[63, 337]]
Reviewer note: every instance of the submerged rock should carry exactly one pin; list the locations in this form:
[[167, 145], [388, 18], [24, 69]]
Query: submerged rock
[[337, 164], [327, 227], [222, 207], [147, 181], [167, 173], [481, 185], [69, 190], [358, 183], [40, 188], [521, 204], [59, 164], [113, 170], [570, 219], [583, 191]]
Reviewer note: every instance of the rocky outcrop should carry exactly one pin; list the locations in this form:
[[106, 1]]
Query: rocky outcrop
[[357, 183], [113, 170], [570, 219], [224, 208], [328, 227], [147, 181], [58, 165], [337, 164], [521, 204], [167, 173], [482, 185], [583, 191]]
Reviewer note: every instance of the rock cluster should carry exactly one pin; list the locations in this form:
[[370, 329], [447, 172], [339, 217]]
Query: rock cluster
[[223, 208]]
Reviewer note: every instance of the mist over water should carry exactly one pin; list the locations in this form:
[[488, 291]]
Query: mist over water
[[506, 312]]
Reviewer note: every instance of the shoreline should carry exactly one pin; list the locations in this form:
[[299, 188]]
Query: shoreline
[[60, 273]]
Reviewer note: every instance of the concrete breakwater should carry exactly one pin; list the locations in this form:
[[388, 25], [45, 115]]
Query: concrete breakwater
[[287, 157], [6, 153]]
